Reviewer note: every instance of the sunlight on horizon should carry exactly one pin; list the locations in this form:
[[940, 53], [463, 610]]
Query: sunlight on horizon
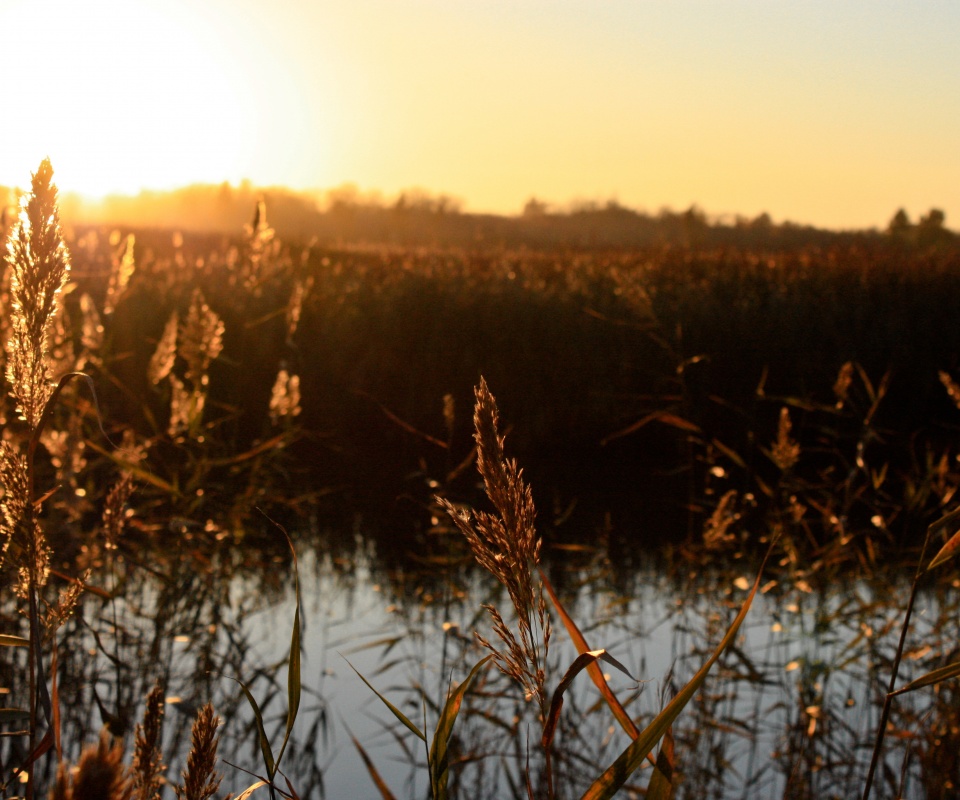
[[821, 113], [131, 96]]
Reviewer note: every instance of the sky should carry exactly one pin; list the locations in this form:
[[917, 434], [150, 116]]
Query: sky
[[827, 113]]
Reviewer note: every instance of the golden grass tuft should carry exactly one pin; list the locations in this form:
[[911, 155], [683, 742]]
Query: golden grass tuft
[[785, 451], [200, 778], [39, 263], [148, 767], [285, 397], [99, 774], [507, 546]]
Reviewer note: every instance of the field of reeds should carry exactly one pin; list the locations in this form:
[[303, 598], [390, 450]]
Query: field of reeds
[[200, 428]]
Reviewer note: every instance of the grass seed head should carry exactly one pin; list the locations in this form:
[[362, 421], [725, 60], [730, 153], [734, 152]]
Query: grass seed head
[[200, 779], [39, 263]]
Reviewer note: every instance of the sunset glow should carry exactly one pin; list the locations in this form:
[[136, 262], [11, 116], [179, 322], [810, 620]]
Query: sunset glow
[[825, 113]]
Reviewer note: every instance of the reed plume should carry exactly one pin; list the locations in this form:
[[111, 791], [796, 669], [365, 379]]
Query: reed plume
[[285, 397], [99, 775], [13, 503], [785, 451], [506, 545], [148, 764], [122, 268], [200, 339], [165, 356], [716, 532], [200, 779], [39, 264]]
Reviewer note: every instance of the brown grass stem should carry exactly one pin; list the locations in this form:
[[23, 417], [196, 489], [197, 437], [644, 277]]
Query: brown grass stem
[[891, 687]]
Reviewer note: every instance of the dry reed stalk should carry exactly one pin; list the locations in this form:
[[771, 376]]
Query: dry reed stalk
[[200, 779], [38, 262], [114, 511], [200, 339], [91, 331], [67, 601], [295, 305], [148, 764], [164, 357], [285, 397], [13, 503], [785, 451], [716, 533], [507, 546], [841, 387], [953, 389], [259, 239], [120, 274]]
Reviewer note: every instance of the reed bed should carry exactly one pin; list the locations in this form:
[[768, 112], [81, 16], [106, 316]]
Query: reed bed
[[167, 385]]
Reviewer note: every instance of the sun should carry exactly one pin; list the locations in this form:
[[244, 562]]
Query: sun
[[121, 95]]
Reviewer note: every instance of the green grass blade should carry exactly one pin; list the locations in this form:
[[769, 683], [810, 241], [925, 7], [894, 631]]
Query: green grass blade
[[396, 711], [439, 760], [616, 775], [930, 678]]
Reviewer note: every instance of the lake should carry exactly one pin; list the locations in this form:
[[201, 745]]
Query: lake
[[790, 710]]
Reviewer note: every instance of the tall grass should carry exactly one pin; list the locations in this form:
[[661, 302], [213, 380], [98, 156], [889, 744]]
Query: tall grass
[[225, 377]]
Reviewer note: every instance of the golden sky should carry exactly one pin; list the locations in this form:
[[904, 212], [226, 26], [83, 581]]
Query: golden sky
[[830, 113]]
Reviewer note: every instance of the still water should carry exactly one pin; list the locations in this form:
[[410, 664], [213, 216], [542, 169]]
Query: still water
[[790, 711]]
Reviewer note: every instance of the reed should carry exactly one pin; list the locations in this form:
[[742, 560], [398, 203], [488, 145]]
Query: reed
[[99, 775], [147, 766], [201, 780], [508, 547]]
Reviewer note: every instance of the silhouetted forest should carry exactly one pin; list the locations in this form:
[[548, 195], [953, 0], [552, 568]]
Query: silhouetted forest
[[345, 215]]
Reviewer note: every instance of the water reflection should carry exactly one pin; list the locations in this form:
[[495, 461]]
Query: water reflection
[[789, 711]]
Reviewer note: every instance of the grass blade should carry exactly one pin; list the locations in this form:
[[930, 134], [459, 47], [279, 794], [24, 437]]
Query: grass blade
[[394, 710], [7, 640], [439, 761], [949, 550], [930, 678], [265, 748], [581, 662], [381, 785], [250, 790], [617, 773], [593, 669], [661, 781], [293, 667]]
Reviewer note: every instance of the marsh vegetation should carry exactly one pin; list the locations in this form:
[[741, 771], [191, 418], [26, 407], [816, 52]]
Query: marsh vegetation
[[233, 467]]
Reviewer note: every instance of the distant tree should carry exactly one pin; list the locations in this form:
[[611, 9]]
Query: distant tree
[[931, 228], [900, 224], [534, 209], [933, 221]]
